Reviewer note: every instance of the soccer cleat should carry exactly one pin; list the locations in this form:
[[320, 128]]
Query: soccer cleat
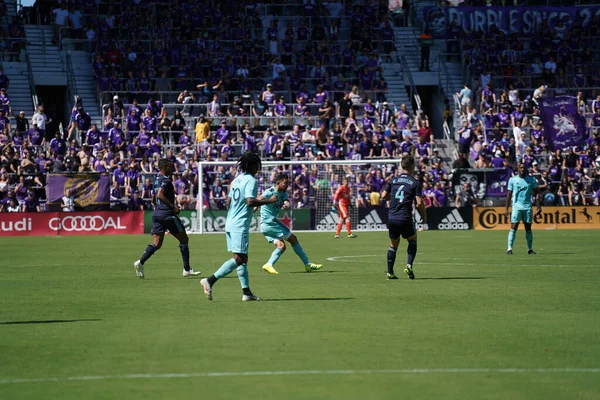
[[312, 267], [252, 297], [207, 288], [509, 252], [337, 236], [531, 252], [409, 271], [270, 269], [191, 272], [139, 269], [391, 277], [351, 236]]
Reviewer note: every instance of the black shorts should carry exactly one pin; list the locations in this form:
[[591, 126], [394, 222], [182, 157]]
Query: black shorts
[[165, 222], [405, 229]]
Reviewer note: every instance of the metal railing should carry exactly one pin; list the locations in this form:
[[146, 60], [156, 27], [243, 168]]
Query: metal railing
[[71, 83], [32, 89], [413, 93]]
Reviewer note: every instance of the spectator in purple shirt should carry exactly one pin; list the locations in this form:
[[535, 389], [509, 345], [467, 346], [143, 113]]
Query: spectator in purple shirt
[[136, 203], [149, 122], [249, 139], [92, 136], [185, 138], [119, 175], [226, 150], [57, 145], [35, 136], [133, 125], [222, 134], [31, 203], [270, 143]]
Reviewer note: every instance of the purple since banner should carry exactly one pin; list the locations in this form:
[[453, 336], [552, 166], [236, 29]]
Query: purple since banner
[[563, 125], [91, 191], [509, 20]]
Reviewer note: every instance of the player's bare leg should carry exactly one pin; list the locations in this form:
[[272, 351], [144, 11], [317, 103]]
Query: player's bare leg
[[391, 258], [511, 237], [185, 254], [157, 241]]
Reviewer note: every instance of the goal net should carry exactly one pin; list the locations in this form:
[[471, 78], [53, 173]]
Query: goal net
[[311, 192]]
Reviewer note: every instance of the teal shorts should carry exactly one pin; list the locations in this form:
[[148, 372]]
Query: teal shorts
[[275, 230], [521, 215], [237, 242]]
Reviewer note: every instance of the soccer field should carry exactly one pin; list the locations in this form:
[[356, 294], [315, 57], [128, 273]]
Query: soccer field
[[76, 323]]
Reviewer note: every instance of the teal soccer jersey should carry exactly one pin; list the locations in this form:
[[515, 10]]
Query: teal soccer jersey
[[269, 212], [522, 190], [239, 215]]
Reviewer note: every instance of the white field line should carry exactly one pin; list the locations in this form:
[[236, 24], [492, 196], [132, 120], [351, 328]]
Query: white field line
[[306, 372], [350, 259]]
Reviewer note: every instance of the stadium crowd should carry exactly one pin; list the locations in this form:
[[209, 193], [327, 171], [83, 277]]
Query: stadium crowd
[[230, 84]]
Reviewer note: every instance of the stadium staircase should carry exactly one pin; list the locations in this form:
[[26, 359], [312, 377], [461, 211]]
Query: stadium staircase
[[46, 63], [82, 82], [19, 90]]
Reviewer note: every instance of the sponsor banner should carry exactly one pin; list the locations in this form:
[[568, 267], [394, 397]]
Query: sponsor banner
[[449, 218], [493, 218], [508, 20], [375, 219], [214, 220], [563, 125], [71, 224], [91, 191]]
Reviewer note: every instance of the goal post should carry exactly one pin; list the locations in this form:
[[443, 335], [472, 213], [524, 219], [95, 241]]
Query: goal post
[[311, 190]]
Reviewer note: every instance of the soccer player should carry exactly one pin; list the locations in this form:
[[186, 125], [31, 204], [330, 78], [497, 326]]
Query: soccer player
[[341, 201], [165, 218], [520, 190], [402, 191], [241, 201], [276, 232]]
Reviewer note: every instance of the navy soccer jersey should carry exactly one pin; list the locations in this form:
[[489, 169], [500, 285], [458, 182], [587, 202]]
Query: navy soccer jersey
[[402, 189], [168, 190]]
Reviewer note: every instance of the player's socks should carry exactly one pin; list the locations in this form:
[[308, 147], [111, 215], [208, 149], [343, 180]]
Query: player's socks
[[275, 256], [242, 272], [529, 237], [185, 255], [151, 249], [412, 252], [247, 291], [227, 268], [211, 280], [339, 229], [348, 228], [391, 260], [511, 238], [301, 253]]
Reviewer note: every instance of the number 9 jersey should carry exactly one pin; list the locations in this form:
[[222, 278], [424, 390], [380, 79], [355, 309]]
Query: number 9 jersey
[[402, 189]]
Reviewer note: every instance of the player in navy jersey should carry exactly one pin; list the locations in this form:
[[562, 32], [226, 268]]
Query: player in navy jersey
[[165, 218], [402, 191]]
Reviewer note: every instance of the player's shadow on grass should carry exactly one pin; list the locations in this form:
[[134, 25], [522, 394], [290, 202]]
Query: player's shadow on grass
[[315, 272], [313, 299], [452, 278], [47, 321]]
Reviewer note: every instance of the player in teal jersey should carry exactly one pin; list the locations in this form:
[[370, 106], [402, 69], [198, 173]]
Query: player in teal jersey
[[276, 232], [241, 201], [520, 190]]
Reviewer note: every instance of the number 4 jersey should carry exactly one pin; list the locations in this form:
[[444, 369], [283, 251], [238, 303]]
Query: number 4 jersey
[[402, 189]]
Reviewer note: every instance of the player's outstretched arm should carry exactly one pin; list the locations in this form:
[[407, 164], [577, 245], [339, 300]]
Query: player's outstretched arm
[[252, 202], [385, 195]]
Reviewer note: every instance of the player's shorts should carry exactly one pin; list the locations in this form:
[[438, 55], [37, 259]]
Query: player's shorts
[[521, 215], [165, 222], [275, 230], [405, 229], [343, 211], [237, 242]]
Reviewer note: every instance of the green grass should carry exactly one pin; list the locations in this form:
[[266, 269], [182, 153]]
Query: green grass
[[471, 306]]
